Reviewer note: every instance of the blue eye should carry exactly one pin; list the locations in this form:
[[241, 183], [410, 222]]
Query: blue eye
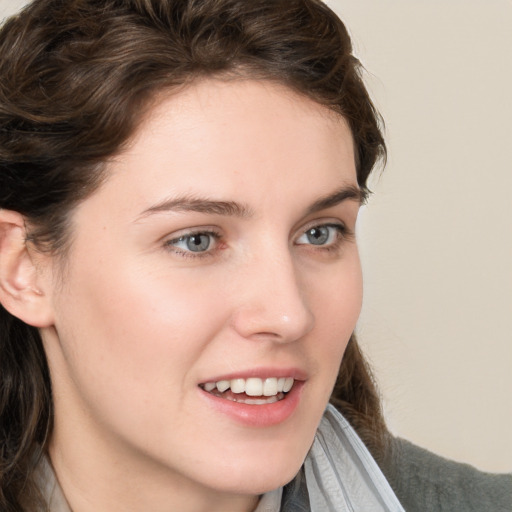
[[196, 242], [320, 235]]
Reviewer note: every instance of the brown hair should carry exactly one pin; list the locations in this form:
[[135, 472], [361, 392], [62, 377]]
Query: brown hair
[[75, 79]]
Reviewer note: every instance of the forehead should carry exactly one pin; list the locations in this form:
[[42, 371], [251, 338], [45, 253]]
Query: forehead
[[247, 140], [224, 101], [239, 119]]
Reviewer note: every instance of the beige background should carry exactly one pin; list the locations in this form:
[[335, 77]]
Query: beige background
[[436, 238]]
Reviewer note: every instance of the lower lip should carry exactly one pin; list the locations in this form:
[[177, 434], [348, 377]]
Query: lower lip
[[265, 415]]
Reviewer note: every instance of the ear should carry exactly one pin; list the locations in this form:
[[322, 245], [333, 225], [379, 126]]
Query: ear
[[22, 286]]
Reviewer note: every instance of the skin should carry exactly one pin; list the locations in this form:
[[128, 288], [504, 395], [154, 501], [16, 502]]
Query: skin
[[138, 321]]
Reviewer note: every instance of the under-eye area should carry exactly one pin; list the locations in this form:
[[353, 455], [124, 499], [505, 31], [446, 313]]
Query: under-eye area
[[207, 242]]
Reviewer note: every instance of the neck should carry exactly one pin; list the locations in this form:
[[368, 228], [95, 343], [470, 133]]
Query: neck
[[115, 488], [98, 471]]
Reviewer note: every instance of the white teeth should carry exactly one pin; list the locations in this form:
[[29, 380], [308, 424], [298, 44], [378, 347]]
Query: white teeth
[[223, 385], [288, 383], [270, 387], [253, 386], [256, 401], [238, 385]]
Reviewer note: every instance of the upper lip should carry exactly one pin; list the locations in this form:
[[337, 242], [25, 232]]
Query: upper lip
[[262, 373]]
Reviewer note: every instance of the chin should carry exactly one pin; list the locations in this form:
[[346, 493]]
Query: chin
[[261, 460], [256, 476], [259, 483]]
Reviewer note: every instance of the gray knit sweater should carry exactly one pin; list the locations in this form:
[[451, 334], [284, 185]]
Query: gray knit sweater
[[424, 482]]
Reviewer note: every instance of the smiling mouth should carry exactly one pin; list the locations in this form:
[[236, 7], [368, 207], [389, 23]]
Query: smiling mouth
[[252, 391]]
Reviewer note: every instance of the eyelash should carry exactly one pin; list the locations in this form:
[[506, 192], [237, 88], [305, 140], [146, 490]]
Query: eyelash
[[342, 234], [171, 244]]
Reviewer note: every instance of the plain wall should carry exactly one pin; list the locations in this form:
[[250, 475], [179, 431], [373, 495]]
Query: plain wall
[[436, 238]]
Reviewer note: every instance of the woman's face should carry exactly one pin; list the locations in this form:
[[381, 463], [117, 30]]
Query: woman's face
[[220, 251]]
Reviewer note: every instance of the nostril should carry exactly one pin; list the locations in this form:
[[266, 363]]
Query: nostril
[[271, 301], [265, 324]]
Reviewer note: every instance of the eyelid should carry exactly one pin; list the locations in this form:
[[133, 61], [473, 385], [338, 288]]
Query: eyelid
[[327, 222], [170, 243], [337, 227], [343, 234], [191, 231]]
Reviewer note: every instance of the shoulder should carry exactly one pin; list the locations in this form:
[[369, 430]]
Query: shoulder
[[424, 481]]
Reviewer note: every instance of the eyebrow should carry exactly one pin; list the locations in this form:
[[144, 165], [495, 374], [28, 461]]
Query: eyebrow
[[196, 204], [234, 209], [347, 193]]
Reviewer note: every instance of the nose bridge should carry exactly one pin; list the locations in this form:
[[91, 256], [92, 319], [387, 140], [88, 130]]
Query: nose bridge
[[273, 301]]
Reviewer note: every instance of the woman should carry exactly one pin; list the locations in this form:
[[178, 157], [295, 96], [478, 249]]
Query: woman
[[179, 276]]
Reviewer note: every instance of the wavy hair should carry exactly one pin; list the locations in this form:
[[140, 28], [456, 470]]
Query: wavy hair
[[76, 77]]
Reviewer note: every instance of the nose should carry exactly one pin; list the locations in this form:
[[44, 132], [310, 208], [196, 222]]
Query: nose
[[271, 302]]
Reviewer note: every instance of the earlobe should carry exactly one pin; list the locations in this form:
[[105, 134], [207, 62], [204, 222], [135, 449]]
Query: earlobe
[[21, 290]]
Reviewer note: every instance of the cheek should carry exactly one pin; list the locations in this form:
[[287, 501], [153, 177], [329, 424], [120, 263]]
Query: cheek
[[337, 306], [135, 333], [336, 298]]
